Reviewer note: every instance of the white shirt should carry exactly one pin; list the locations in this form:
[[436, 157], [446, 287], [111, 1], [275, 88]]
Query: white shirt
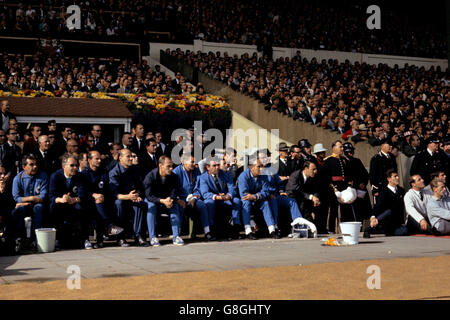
[[304, 179], [393, 189], [415, 207]]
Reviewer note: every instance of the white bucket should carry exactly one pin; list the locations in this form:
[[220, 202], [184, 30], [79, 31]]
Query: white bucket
[[352, 229], [46, 238]]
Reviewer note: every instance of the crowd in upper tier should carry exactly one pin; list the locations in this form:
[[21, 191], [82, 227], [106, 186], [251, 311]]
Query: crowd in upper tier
[[319, 25]]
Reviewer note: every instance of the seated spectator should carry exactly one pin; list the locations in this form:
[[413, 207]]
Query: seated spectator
[[415, 207], [162, 195], [438, 209], [219, 193], [67, 194], [125, 184], [388, 211], [30, 192]]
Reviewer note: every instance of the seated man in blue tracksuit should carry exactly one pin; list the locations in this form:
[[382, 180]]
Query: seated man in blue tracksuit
[[278, 197], [188, 176], [219, 192], [126, 187], [67, 204], [30, 192], [162, 193], [255, 192], [98, 197]]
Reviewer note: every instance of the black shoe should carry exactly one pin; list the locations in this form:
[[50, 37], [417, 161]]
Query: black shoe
[[141, 242], [210, 237], [252, 236], [275, 235], [366, 233], [99, 245], [123, 243]]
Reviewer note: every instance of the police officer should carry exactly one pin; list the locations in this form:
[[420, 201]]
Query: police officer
[[428, 161], [379, 165], [97, 181], [305, 152], [67, 204], [127, 190], [335, 173], [360, 178]]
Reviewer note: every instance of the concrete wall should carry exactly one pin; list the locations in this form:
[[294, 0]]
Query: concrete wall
[[278, 52]]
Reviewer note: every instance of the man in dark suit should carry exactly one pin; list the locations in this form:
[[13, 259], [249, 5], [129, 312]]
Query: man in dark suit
[[67, 205], [283, 161], [149, 160], [303, 185], [219, 192], [60, 143], [296, 161], [10, 153], [388, 212], [46, 158], [379, 165], [162, 193], [138, 146], [100, 144], [125, 184]]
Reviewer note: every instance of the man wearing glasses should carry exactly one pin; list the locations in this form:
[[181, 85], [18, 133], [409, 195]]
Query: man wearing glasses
[[67, 205], [99, 142]]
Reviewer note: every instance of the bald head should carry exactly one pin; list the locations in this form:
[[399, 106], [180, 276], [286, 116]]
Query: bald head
[[44, 143], [125, 158]]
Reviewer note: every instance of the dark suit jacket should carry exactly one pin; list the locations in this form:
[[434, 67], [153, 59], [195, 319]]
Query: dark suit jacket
[[51, 162], [58, 188], [147, 163], [388, 200], [284, 170], [102, 146], [12, 159], [138, 150]]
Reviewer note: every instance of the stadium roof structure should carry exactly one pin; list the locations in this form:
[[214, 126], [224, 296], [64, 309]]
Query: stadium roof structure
[[71, 110]]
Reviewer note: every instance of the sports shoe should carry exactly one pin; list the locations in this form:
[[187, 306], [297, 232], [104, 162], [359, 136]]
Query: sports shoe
[[154, 242], [18, 245], [87, 245], [178, 241], [275, 235], [114, 230], [141, 242]]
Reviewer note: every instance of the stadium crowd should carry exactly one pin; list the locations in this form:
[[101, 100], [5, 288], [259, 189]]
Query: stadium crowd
[[63, 76], [123, 189], [325, 25], [362, 102]]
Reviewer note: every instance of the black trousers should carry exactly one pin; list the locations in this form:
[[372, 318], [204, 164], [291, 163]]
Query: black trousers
[[72, 224]]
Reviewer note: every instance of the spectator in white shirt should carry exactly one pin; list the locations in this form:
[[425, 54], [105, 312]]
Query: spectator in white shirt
[[415, 206]]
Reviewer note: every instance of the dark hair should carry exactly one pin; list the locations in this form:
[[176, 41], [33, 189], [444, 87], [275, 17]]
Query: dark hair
[[411, 179], [136, 124], [390, 172], [294, 146], [307, 164], [335, 142], [148, 141], [26, 157], [435, 174]]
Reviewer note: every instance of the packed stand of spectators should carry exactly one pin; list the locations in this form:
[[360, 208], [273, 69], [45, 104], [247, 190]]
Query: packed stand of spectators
[[75, 181], [62, 75], [325, 25], [361, 102]]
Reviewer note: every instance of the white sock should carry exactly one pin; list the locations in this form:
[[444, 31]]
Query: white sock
[[271, 228], [248, 229], [206, 229]]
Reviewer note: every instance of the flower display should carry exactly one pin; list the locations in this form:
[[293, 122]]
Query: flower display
[[147, 102]]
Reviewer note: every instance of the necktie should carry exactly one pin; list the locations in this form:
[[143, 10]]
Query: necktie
[[421, 195], [44, 154], [216, 181]]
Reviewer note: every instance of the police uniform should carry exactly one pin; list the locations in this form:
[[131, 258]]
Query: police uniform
[[379, 165], [336, 173], [425, 164]]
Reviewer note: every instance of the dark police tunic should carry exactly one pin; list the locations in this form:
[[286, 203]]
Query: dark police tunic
[[425, 164], [379, 165]]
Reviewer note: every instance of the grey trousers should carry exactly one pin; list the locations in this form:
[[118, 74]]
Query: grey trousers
[[444, 227]]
